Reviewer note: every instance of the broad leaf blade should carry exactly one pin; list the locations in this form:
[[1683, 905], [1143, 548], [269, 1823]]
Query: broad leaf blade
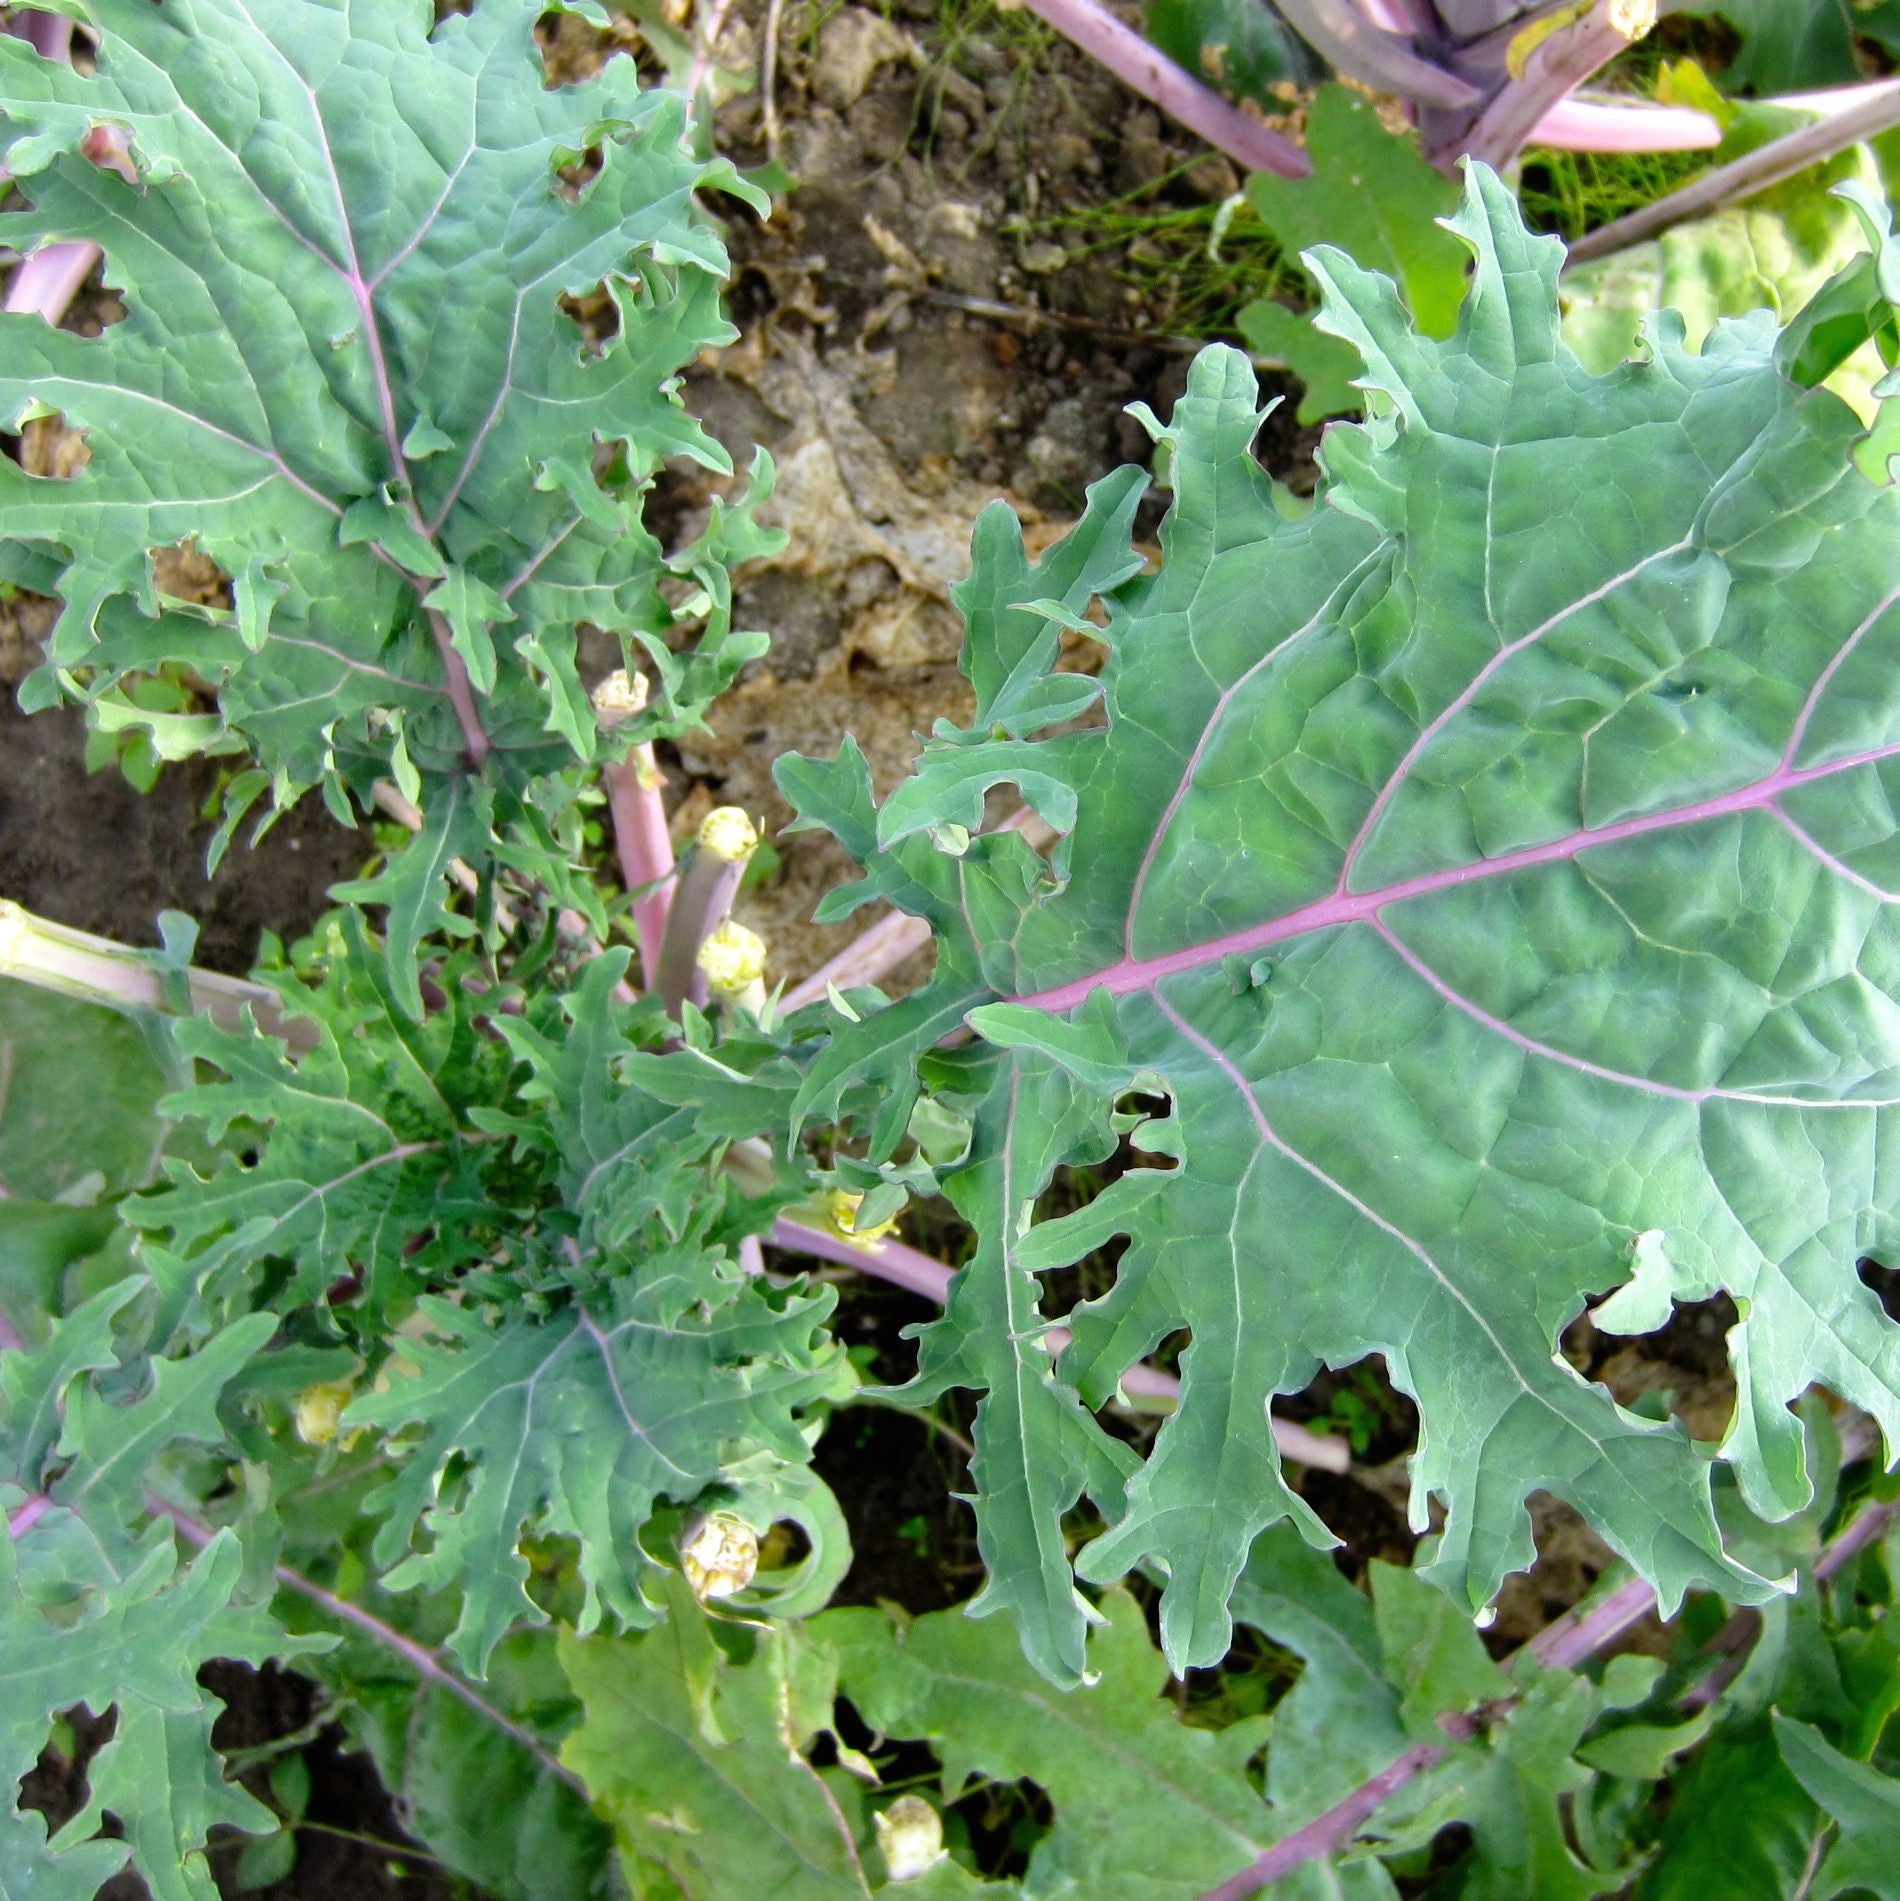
[[1145, 1805], [345, 372], [78, 1087], [1538, 780], [698, 1762], [581, 1427]]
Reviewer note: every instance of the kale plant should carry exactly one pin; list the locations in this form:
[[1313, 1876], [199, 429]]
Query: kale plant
[[1470, 903]]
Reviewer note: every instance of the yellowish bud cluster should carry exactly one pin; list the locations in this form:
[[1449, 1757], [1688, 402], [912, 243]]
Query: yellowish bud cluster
[[910, 1837], [841, 1213], [719, 1555], [620, 695], [733, 959], [728, 834], [320, 1412], [1632, 18]]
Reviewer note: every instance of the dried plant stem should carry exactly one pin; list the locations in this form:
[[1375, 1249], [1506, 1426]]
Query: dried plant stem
[[768, 77], [1139, 66], [1877, 110]]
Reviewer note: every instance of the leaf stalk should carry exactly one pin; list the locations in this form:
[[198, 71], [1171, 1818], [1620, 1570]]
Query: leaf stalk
[[1144, 69], [1876, 110], [97, 970], [1562, 1645]]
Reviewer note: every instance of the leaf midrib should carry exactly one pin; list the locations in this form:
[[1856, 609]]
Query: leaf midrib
[[1339, 907]]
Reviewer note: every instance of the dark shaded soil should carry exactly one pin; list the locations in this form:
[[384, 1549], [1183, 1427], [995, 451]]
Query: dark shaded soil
[[87, 850]]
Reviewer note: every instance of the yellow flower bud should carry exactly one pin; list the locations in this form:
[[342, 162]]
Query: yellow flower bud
[[719, 1555], [1632, 18], [728, 834], [841, 1214], [320, 1411], [910, 1837], [733, 959], [620, 695]]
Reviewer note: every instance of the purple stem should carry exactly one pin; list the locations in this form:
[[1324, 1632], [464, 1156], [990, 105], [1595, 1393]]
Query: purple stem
[[461, 690], [1595, 125], [1513, 115], [1363, 907], [1577, 1635], [46, 282], [909, 1268], [49, 34], [1348, 40], [1139, 66], [419, 1657], [23, 1518], [1572, 1639], [1856, 1538], [641, 840], [1328, 1833], [699, 901], [645, 850], [1404, 17]]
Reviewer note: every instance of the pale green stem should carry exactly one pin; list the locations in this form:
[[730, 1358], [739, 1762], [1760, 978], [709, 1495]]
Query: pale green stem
[[96, 970]]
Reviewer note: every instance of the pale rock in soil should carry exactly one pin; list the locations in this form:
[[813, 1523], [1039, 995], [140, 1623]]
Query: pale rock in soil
[[854, 44]]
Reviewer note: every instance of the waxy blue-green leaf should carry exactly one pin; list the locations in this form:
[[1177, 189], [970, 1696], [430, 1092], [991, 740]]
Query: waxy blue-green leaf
[[580, 1427], [1147, 1807], [1543, 773], [699, 1762], [1862, 1802], [96, 1607], [345, 372], [1372, 194]]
